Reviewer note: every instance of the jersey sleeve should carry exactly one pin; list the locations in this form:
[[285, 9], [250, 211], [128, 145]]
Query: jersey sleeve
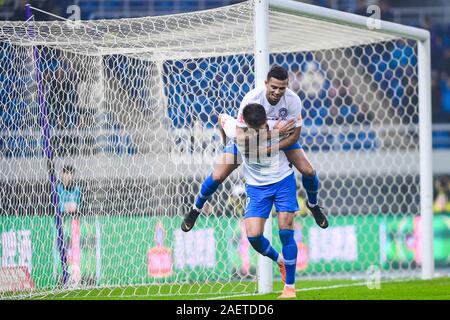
[[295, 110], [240, 117]]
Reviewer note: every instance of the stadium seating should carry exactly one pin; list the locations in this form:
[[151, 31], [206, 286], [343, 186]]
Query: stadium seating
[[184, 87]]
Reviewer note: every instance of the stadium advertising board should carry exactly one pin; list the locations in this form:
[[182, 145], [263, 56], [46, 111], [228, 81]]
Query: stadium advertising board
[[115, 250], [400, 236]]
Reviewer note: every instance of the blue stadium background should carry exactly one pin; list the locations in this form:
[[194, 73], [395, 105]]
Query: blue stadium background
[[135, 195], [384, 68]]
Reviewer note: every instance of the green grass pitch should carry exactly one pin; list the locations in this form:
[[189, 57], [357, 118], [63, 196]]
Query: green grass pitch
[[435, 289]]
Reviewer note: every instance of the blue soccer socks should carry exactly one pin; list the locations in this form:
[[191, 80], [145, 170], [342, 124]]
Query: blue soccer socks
[[209, 186], [311, 185], [289, 254], [262, 245]]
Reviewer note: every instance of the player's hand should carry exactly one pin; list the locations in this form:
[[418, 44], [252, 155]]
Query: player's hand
[[285, 128]]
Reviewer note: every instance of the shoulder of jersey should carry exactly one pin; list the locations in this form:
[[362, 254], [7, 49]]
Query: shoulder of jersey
[[292, 96], [254, 93], [259, 90]]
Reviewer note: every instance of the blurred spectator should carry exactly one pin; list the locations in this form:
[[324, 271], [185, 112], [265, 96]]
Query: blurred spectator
[[322, 3], [384, 5], [55, 7], [61, 96], [61, 82], [440, 58], [69, 194], [345, 106], [440, 65], [436, 97], [445, 94], [69, 204], [442, 195], [361, 8], [385, 8], [437, 51]]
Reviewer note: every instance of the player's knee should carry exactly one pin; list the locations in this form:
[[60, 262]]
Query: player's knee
[[308, 171], [258, 243], [219, 177], [286, 220], [286, 236], [286, 225]]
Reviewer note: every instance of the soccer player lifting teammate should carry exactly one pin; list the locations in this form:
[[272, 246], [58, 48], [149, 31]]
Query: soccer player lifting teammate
[[270, 180], [283, 109]]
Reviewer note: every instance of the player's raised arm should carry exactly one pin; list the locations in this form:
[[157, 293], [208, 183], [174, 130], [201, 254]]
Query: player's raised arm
[[290, 129], [293, 134]]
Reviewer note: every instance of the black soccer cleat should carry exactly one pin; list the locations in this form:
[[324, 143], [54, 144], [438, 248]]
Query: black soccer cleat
[[189, 220], [320, 218]]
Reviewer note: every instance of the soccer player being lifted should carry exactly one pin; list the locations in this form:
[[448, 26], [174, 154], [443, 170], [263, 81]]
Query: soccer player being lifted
[[283, 110], [270, 180]]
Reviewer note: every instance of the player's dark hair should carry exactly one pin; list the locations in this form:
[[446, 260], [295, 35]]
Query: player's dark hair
[[68, 169], [254, 115], [277, 72]]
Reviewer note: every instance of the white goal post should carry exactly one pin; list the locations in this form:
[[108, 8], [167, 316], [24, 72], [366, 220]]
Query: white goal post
[[131, 105], [424, 74]]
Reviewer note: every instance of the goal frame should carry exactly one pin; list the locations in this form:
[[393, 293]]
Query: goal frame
[[422, 36], [259, 46]]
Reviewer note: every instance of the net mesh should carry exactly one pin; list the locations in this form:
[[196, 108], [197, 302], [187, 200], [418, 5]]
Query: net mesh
[[132, 106]]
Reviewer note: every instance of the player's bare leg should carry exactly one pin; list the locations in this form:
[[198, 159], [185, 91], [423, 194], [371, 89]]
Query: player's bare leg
[[255, 228], [226, 165], [299, 159]]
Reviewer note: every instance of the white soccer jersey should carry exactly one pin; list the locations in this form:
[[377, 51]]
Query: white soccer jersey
[[289, 107], [267, 170], [228, 124]]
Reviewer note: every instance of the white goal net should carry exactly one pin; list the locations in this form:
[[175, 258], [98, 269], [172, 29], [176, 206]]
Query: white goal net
[[129, 107]]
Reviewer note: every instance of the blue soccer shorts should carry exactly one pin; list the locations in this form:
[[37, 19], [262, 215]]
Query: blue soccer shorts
[[260, 199]]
